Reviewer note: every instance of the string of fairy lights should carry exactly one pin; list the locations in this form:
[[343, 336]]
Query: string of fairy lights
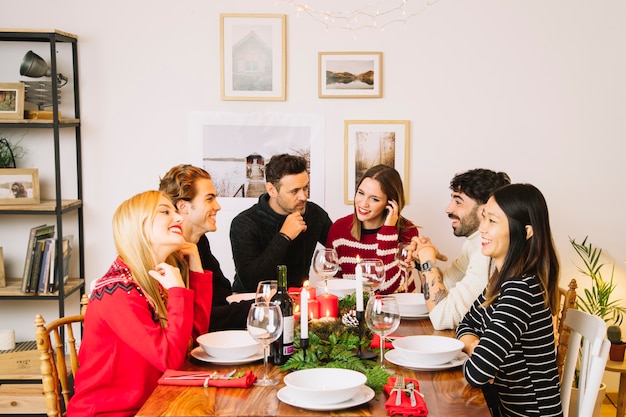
[[376, 15]]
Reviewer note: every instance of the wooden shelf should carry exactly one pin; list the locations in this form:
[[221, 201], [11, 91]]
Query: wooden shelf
[[14, 287], [45, 206]]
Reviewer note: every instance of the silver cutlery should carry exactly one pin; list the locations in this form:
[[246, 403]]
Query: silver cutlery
[[411, 389], [398, 386], [204, 375]]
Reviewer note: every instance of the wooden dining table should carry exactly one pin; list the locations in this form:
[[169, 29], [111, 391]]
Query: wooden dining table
[[446, 392]]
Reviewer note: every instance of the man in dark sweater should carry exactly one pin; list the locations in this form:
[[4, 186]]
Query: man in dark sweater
[[283, 228], [193, 194]]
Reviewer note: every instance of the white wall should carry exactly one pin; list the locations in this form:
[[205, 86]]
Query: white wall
[[533, 88]]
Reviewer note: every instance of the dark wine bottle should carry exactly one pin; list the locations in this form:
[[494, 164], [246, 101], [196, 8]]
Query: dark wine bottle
[[282, 348]]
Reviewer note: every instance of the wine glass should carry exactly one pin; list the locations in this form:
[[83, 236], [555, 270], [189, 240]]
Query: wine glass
[[382, 316], [326, 264], [265, 290], [373, 273], [404, 263], [265, 325]]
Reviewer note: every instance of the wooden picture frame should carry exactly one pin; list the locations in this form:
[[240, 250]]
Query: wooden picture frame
[[252, 54], [12, 101], [350, 74], [373, 142], [19, 186]]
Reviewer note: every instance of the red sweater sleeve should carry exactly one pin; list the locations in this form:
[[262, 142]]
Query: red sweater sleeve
[[202, 285]]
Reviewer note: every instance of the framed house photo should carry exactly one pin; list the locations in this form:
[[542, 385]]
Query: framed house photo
[[12, 101], [374, 142], [350, 74], [19, 186], [252, 51]]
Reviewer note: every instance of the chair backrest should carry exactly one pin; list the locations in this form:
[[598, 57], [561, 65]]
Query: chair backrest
[[57, 387], [568, 301], [587, 353]]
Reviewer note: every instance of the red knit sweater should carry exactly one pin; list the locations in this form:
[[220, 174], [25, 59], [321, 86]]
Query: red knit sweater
[[124, 350], [381, 244]]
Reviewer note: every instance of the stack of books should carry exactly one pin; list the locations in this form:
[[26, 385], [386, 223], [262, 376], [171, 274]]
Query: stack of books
[[40, 267]]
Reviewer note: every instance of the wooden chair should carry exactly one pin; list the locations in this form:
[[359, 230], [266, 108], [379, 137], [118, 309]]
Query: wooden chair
[[589, 348], [54, 363], [562, 331]]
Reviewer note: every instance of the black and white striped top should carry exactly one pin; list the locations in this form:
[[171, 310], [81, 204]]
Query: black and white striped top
[[516, 349]]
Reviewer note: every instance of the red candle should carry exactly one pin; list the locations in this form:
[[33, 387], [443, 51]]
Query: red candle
[[314, 309], [329, 305], [295, 294]]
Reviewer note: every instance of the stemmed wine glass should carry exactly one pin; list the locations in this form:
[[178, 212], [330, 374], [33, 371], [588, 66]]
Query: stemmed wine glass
[[265, 325], [373, 273], [382, 316], [402, 256], [265, 290], [326, 264]]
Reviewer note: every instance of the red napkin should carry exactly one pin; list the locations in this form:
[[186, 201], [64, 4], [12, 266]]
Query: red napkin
[[404, 409], [376, 342], [245, 381]]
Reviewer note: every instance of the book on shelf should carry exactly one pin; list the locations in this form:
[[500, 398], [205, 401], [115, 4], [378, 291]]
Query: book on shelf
[[40, 245], [53, 280], [46, 261], [43, 231]]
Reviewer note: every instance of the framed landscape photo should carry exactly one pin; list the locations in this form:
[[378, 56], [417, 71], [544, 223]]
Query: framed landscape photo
[[374, 142], [253, 62], [350, 74], [19, 186], [12, 101]]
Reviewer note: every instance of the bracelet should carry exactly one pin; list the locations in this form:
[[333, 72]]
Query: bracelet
[[285, 236]]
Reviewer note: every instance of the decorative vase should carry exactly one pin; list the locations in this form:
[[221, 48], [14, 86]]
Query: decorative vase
[[597, 409], [616, 352]]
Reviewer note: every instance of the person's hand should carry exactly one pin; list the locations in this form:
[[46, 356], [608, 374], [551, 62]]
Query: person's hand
[[470, 342], [190, 253], [168, 275], [425, 250], [392, 213], [294, 225]]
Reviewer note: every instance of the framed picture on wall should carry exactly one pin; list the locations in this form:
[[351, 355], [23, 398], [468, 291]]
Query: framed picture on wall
[[19, 186], [350, 74], [253, 62], [12, 101], [374, 142]]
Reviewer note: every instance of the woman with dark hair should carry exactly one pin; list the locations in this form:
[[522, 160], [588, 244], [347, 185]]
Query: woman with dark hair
[[508, 331], [375, 227]]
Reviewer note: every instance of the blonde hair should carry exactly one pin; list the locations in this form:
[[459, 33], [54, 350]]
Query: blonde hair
[[132, 235]]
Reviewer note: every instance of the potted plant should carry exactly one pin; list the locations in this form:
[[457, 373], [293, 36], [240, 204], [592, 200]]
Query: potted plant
[[10, 152], [618, 347]]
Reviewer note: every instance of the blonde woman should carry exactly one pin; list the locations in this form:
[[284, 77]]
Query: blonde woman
[[143, 313]]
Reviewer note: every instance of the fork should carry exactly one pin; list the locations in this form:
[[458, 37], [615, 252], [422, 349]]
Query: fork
[[205, 375], [399, 387]]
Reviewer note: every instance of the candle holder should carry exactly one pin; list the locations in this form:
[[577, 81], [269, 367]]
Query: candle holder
[[363, 353], [304, 344]]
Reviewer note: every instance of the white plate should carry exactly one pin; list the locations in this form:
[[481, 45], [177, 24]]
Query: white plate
[[201, 355], [287, 396], [395, 357], [244, 296], [415, 317]]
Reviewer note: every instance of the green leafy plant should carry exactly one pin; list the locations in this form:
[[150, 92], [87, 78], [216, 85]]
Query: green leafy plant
[[597, 300], [10, 152]]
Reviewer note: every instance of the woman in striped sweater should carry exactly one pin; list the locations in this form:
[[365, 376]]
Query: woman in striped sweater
[[508, 331], [375, 228]]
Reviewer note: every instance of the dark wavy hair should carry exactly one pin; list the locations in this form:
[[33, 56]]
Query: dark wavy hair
[[479, 183], [282, 165], [524, 205]]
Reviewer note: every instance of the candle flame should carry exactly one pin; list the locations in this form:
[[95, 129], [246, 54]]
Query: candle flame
[[305, 283]]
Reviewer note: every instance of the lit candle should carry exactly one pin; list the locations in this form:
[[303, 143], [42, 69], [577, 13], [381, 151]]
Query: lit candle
[[314, 309], [294, 293], [359, 284], [329, 305], [304, 314]]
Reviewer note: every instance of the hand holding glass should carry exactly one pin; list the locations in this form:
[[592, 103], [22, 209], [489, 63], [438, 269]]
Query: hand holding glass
[[326, 264], [265, 325], [382, 316], [265, 290]]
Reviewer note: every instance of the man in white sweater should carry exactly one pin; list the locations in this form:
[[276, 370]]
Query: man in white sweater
[[449, 293]]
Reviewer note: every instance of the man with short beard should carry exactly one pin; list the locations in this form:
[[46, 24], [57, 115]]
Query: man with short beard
[[449, 293]]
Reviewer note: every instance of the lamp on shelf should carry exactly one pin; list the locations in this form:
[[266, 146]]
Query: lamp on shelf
[[40, 92]]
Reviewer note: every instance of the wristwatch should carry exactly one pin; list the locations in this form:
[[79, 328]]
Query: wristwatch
[[427, 266]]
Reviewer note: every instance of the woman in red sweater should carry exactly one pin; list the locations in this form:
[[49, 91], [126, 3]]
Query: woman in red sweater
[[143, 314], [375, 228]]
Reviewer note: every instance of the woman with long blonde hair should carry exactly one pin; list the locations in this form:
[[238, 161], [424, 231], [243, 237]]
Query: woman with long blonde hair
[[144, 313]]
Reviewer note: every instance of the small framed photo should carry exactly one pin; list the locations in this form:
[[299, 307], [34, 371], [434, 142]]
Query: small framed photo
[[19, 186], [253, 63], [12, 101], [350, 74], [374, 142]]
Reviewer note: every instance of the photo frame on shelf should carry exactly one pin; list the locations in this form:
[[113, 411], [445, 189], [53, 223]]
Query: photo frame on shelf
[[373, 142], [350, 74], [19, 186], [12, 101], [253, 61]]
